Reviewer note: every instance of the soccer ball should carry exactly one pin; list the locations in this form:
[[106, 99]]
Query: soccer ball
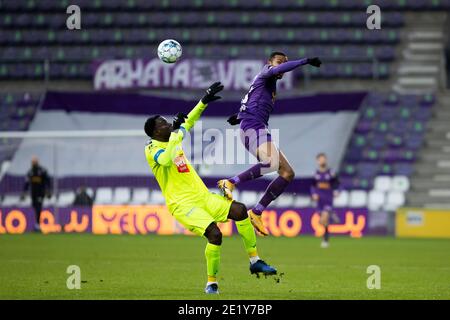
[[169, 51]]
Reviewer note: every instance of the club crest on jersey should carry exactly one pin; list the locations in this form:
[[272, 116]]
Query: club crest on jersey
[[181, 163]]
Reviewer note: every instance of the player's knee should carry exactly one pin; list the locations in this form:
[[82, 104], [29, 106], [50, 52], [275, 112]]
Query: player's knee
[[214, 235], [287, 173], [241, 211]]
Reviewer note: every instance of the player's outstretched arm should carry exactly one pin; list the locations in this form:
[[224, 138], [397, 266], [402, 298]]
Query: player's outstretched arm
[[291, 65], [164, 157], [210, 96]]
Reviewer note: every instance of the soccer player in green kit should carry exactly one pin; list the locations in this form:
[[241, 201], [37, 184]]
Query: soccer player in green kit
[[187, 197]]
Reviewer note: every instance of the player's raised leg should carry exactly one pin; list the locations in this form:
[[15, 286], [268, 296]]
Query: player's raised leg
[[238, 213], [269, 153]]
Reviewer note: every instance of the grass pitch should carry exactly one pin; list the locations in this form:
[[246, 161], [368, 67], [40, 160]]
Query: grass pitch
[[33, 266]]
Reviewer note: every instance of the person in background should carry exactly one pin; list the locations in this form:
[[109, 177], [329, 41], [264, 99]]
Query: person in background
[[324, 189], [38, 183], [82, 198]]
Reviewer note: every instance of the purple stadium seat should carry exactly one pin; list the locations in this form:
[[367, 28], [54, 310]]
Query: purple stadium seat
[[346, 183], [386, 113], [367, 169], [232, 18], [353, 155], [56, 21], [414, 141], [378, 141], [363, 70], [403, 169], [363, 126], [385, 53]]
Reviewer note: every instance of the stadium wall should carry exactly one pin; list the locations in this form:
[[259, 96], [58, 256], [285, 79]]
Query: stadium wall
[[155, 219]]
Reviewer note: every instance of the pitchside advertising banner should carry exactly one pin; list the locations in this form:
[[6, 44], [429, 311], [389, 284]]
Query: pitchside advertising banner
[[155, 219], [422, 223], [187, 73]]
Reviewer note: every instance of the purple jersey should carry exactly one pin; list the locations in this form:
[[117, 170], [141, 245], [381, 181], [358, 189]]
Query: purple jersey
[[324, 186], [258, 102]]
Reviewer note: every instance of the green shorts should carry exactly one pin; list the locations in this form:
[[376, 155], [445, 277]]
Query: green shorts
[[210, 208]]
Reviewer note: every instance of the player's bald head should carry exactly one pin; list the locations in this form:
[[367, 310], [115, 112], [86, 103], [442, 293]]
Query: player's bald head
[[34, 161]]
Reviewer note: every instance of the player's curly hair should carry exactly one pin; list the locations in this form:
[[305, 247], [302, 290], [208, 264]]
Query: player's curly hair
[[150, 125]]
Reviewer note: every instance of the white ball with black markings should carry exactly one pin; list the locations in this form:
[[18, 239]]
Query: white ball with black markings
[[169, 51]]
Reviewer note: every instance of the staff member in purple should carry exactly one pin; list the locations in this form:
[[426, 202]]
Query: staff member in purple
[[253, 117], [324, 189]]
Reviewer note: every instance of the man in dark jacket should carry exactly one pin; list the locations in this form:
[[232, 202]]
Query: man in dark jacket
[[82, 198], [38, 182]]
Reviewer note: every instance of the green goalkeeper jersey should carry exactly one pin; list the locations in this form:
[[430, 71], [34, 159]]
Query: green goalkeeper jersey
[[179, 182]]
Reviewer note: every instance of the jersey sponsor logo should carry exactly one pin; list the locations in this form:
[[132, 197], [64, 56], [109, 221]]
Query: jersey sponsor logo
[[181, 163], [323, 185]]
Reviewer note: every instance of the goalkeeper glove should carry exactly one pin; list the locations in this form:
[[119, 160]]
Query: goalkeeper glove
[[233, 120], [178, 120], [210, 96], [315, 62]]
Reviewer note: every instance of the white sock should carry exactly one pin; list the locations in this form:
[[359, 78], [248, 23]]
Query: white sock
[[211, 282], [254, 259]]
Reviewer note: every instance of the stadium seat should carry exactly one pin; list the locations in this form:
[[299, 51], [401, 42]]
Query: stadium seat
[[358, 198], [156, 197], [249, 198], [302, 201], [140, 196], [382, 183], [400, 183], [284, 200], [11, 200], [395, 199], [122, 195], [341, 200], [50, 201], [376, 200], [65, 199], [104, 196]]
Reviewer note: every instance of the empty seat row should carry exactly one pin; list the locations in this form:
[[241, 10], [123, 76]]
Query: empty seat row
[[374, 199], [87, 53], [130, 5], [206, 18], [198, 35]]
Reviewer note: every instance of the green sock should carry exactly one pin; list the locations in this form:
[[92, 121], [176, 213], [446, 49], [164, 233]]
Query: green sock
[[245, 229], [212, 254]]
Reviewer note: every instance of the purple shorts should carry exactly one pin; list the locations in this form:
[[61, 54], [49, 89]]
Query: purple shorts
[[253, 134]]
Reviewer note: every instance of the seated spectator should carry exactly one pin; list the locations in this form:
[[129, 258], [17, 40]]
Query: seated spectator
[[82, 198]]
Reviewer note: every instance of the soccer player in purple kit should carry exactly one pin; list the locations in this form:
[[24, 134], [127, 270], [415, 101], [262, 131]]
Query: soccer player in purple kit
[[324, 189], [253, 117]]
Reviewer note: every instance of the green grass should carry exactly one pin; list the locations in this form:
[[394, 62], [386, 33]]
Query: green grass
[[33, 266]]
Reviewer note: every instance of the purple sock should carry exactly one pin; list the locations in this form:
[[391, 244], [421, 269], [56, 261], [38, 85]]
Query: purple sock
[[249, 174], [275, 188]]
